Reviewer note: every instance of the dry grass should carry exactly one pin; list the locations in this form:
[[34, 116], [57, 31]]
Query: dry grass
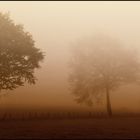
[[119, 127]]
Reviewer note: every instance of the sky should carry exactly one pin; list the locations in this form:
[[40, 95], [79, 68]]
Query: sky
[[56, 26]]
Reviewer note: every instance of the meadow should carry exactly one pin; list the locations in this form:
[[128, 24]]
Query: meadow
[[68, 126]]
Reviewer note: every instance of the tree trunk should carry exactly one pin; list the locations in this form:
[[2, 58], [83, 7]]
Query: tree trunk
[[109, 110]]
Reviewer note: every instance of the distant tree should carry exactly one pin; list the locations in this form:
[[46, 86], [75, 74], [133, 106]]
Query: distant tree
[[18, 55], [100, 65]]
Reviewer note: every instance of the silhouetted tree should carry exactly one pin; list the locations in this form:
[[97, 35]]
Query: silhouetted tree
[[100, 65], [18, 55]]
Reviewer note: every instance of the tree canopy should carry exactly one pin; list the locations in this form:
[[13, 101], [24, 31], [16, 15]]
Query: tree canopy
[[99, 65], [18, 55]]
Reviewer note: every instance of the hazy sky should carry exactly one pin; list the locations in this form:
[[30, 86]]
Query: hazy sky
[[55, 26]]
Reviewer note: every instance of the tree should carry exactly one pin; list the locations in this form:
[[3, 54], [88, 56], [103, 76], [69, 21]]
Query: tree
[[99, 65], [18, 55]]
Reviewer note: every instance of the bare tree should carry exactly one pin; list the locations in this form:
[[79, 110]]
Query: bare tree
[[18, 55], [100, 65]]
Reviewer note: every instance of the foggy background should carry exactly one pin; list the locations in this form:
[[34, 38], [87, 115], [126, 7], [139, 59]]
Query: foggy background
[[55, 27]]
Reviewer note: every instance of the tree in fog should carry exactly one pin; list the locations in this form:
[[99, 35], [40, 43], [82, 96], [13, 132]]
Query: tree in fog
[[100, 65], [18, 55]]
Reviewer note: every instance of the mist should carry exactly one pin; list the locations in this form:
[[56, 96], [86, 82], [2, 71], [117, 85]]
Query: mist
[[55, 27]]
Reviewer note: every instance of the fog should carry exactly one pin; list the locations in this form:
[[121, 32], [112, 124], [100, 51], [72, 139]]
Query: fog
[[55, 27]]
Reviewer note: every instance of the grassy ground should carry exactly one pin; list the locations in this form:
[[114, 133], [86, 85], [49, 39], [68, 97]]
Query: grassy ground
[[123, 128]]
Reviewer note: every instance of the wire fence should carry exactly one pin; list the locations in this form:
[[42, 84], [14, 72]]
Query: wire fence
[[48, 115]]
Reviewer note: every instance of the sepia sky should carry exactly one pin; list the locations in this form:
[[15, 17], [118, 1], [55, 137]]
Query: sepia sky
[[55, 27]]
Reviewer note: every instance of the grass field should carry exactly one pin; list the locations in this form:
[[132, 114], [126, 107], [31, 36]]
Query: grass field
[[110, 128]]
